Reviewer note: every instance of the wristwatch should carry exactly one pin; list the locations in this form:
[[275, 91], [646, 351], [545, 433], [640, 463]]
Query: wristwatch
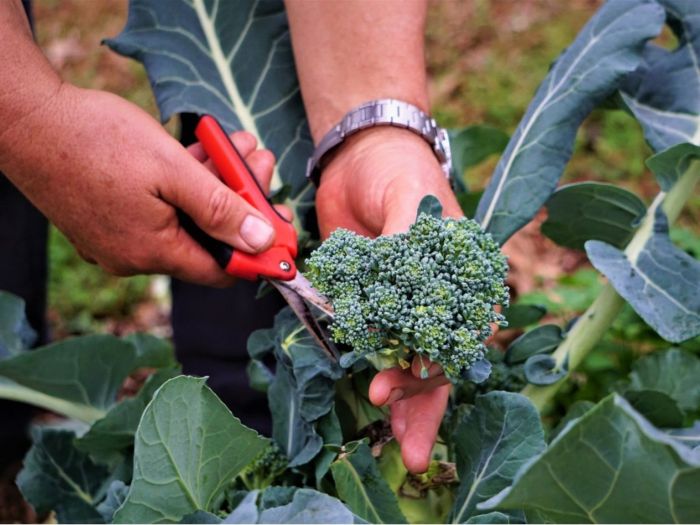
[[383, 112]]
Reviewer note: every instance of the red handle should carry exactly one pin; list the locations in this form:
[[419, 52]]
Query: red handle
[[276, 262]]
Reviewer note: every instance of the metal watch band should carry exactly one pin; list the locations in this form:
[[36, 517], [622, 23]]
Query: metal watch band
[[383, 112]]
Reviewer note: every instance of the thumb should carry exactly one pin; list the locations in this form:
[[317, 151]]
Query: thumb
[[402, 213], [218, 210]]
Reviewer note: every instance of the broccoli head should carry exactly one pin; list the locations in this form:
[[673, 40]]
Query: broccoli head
[[429, 291], [267, 466]]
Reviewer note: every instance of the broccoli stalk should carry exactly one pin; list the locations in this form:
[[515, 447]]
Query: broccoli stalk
[[430, 291]]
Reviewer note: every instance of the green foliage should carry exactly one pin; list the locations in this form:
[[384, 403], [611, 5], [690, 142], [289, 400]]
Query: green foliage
[[82, 294], [430, 291]]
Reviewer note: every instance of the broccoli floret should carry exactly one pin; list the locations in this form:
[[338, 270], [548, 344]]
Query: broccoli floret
[[267, 466], [431, 291]]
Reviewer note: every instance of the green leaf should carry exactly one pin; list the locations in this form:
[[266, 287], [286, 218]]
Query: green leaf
[[15, 333], [308, 506], [188, 447], [492, 442], [328, 428], [247, 510], [659, 408], [660, 281], [471, 146], [611, 466], [663, 92], [492, 517], [540, 340], [542, 370], [109, 437], [575, 412], [236, 64], [674, 372], [607, 48], [116, 494], [77, 377], [583, 211], [364, 491], [670, 165], [302, 390], [259, 375], [430, 205], [58, 477], [522, 315], [200, 516]]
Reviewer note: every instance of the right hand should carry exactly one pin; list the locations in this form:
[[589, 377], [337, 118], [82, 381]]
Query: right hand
[[110, 178]]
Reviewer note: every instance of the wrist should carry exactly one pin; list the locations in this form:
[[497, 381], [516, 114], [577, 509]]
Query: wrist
[[392, 141]]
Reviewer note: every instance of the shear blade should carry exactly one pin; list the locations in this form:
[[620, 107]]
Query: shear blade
[[300, 307]]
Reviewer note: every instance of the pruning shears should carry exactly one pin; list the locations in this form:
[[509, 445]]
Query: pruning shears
[[276, 264]]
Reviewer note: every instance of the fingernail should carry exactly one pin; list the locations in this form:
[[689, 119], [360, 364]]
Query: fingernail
[[395, 395], [256, 232], [434, 370]]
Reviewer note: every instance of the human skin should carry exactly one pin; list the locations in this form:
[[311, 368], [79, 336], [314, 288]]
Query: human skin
[[348, 53], [109, 176]]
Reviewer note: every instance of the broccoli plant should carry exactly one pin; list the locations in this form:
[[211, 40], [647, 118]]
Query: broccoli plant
[[430, 291], [175, 453]]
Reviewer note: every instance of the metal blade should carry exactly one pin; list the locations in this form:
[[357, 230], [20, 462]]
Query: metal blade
[[302, 311], [301, 286]]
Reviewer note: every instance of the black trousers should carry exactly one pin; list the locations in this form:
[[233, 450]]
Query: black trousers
[[210, 326]]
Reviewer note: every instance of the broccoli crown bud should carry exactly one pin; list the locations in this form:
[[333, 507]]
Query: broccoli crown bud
[[265, 468], [431, 290]]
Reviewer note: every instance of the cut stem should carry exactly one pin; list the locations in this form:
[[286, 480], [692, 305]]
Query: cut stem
[[596, 320]]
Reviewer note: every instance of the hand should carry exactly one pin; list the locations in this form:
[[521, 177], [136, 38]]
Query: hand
[[110, 178], [373, 186]]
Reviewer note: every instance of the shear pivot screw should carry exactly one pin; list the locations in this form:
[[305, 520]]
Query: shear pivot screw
[[285, 266]]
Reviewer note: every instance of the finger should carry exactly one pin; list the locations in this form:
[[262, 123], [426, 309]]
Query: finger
[[245, 144], [398, 420], [285, 212], [423, 422], [419, 363], [402, 205], [185, 259], [216, 208], [262, 163], [394, 384]]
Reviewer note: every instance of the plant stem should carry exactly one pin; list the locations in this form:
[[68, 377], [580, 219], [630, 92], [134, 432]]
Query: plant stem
[[13, 391], [595, 321]]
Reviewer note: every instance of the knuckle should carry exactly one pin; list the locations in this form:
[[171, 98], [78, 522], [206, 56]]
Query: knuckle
[[221, 208]]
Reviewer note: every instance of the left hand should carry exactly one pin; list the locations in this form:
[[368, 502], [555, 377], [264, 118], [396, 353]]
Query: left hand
[[373, 186]]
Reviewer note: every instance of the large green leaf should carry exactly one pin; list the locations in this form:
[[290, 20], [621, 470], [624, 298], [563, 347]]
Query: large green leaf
[[583, 211], [15, 332], [110, 436], [610, 466], [492, 442], [607, 48], [360, 485], [471, 146], [674, 372], [303, 388], [79, 377], [188, 447], [664, 93], [671, 164], [660, 281], [308, 506], [58, 477], [232, 61], [540, 340]]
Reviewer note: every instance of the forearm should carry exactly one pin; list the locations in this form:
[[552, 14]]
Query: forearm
[[352, 51], [27, 81]]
